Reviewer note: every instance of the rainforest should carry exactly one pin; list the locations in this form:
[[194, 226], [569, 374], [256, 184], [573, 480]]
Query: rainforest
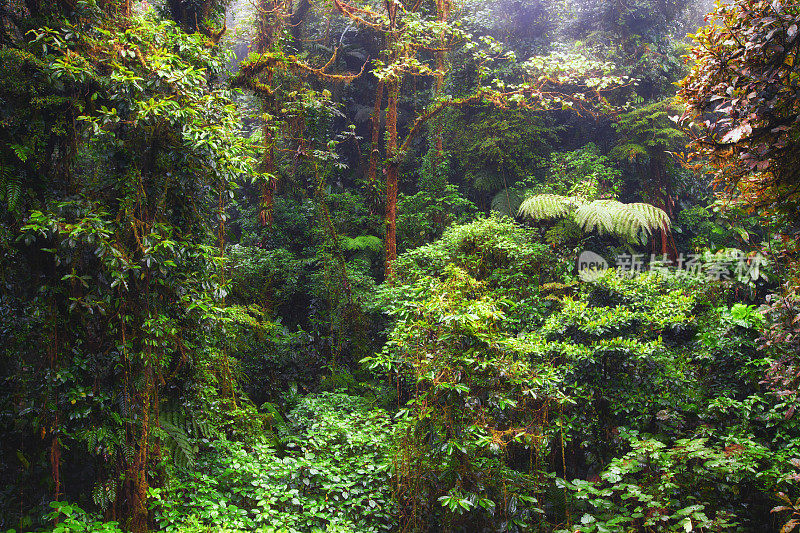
[[363, 266]]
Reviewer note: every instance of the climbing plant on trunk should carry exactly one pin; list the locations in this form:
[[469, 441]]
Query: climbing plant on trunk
[[118, 250]]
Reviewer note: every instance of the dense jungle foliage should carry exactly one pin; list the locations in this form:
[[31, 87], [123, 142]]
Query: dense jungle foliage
[[399, 266]]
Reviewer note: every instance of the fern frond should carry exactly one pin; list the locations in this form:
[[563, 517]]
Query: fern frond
[[176, 437], [600, 216], [486, 180], [202, 428], [6, 186], [631, 152], [13, 192], [177, 441], [507, 201], [562, 232], [631, 224], [362, 243], [104, 493], [635, 222], [545, 206], [652, 218]]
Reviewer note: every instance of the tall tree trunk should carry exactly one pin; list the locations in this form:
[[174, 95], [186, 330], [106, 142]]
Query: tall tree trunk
[[267, 25], [139, 393], [268, 188], [437, 179], [136, 471], [392, 175], [392, 164], [55, 449], [663, 196]]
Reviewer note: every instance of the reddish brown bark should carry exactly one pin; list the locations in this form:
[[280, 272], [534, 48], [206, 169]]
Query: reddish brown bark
[[268, 26], [55, 461], [392, 178], [393, 53], [665, 202], [142, 399], [269, 21], [443, 14], [136, 475], [55, 448], [135, 482]]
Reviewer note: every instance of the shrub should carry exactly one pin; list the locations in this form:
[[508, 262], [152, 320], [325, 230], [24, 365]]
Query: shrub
[[329, 472]]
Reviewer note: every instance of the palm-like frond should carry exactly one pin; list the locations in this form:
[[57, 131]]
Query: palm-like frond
[[600, 216], [544, 206], [640, 220], [179, 444], [635, 222]]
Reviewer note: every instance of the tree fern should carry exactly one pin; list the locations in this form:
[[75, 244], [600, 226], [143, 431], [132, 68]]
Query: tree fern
[[545, 206], [635, 222], [641, 219], [599, 216]]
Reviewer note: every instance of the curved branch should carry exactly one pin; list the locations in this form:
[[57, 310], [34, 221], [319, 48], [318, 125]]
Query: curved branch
[[249, 71]]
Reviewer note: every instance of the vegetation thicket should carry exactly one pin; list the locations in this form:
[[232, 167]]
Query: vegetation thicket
[[382, 265]]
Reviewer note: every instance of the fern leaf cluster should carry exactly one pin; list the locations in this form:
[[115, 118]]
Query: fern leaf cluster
[[179, 433], [546, 206], [104, 493], [635, 222], [362, 243], [10, 188]]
